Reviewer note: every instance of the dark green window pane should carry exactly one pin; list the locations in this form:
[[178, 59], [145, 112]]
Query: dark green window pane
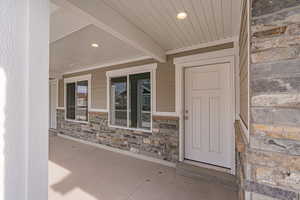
[[140, 101], [70, 100]]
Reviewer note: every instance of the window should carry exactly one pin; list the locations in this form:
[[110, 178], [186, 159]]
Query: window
[[77, 98], [130, 98], [118, 101], [140, 101]]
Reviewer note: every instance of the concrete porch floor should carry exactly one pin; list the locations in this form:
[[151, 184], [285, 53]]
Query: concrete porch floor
[[82, 172]]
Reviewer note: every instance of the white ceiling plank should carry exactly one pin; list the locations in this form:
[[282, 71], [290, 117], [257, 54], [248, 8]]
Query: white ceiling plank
[[236, 16], [171, 24], [197, 26], [205, 21], [155, 23], [199, 11], [185, 24], [171, 14], [217, 10], [163, 24], [227, 17], [104, 17], [209, 17]]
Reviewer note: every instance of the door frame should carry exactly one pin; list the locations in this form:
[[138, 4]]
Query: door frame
[[216, 57], [54, 81]]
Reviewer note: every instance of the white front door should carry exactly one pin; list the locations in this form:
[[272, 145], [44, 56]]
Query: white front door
[[52, 104], [208, 114]]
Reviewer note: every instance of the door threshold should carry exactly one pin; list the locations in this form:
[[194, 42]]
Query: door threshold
[[208, 166]]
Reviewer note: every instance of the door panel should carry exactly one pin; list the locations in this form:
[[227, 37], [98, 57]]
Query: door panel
[[197, 104], [214, 124], [208, 112]]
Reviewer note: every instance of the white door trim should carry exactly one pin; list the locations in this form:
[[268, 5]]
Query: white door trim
[[55, 81], [222, 56]]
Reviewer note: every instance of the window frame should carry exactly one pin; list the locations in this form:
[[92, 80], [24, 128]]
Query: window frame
[[148, 68], [76, 79]]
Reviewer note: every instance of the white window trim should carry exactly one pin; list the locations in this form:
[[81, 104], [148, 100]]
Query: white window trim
[[88, 78], [129, 71]]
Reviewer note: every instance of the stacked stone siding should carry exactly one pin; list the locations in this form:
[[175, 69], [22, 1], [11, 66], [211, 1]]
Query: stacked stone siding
[[161, 143], [273, 154], [241, 160]]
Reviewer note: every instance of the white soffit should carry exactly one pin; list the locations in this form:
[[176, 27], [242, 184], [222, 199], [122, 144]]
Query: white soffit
[[74, 52], [64, 22], [106, 18], [148, 25], [207, 20]]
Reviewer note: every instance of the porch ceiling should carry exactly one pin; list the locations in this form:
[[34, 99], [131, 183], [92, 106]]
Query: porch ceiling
[[207, 20], [75, 52], [139, 28]]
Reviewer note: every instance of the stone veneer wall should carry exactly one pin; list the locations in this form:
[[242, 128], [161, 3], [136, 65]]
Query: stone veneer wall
[[162, 143], [272, 159], [241, 159]]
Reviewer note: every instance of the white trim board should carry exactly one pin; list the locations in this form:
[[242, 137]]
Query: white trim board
[[55, 81], [237, 79], [248, 66], [131, 70], [98, 110], [109, 64], [203, 45], [166, 114], [244, 128], [127, 153], [195, 58], [78, 78], [222, 56]]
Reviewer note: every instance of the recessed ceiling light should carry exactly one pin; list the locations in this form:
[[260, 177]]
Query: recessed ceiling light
[[181, 15], [95, 45]]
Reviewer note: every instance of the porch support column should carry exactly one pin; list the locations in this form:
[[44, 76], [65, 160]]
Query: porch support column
[[24, 66]]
